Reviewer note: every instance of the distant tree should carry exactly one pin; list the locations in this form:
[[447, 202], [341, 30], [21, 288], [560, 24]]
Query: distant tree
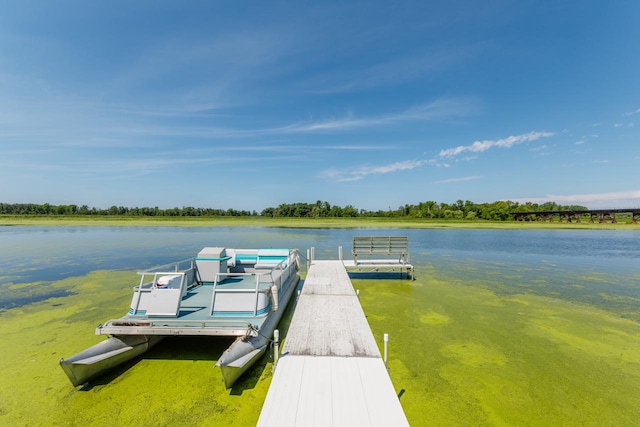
[[350, 211]]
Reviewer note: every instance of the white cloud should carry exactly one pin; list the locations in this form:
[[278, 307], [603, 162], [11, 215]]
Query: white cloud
[[118, 127], [626, 124], [540, 148], [480, 146], [356, 174], [579, 142], [450, 180], [631, 113], [395, 69], [438, 110]]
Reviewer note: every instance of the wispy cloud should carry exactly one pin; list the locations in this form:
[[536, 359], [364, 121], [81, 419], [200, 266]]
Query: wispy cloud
[[543, 147], [101, 162], [480, 146], [391, 72], [626, 124], [113, 124], [631, 113], [463, 179], [441, 109], [356, 174], [579, 142]]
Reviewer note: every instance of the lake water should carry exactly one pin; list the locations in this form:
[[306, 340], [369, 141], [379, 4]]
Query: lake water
[[565, 260], [523, 327]]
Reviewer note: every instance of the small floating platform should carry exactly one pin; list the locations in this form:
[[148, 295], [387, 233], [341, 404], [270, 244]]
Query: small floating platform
[[330, 372], [380, 254]]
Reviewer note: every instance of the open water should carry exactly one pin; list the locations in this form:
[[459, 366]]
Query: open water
[[565, 260]]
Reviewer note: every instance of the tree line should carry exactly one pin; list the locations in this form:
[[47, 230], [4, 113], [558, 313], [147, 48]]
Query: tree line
[[459, 210], [84, 210]]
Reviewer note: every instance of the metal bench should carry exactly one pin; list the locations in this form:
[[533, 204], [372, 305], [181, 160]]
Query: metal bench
[[378, 245]]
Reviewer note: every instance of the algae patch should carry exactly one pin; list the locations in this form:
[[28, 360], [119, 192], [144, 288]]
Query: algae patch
[[474, 354], [466, 348], [434, 318], [174, 384], [466, 352]]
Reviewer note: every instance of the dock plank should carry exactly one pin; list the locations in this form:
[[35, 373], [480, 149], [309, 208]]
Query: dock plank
[[330, 372], [325, 325], [329, 320], [328, 278]]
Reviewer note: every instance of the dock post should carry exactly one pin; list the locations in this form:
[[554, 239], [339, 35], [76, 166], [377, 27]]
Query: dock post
[[386, 348], [276, 348], [340, 253]]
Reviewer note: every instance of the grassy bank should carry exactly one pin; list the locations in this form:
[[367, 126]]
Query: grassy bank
[[118, 221]]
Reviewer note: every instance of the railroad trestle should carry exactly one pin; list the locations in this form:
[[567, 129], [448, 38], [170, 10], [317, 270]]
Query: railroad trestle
[[595, 215]]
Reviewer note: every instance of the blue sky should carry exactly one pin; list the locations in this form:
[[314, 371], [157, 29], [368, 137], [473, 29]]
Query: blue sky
[[374, 104]]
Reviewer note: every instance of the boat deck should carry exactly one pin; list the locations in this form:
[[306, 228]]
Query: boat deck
[[330, 372], [194, 316]]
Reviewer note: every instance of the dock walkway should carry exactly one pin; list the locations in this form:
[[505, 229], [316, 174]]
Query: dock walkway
[[331, 372]]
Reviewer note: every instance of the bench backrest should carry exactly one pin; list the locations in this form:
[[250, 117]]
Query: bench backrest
[[379, 245]]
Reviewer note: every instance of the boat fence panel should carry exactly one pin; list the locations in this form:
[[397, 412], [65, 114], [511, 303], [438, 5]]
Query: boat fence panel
[[164, 302]]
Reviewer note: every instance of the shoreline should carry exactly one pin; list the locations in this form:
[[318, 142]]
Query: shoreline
[[309, 223]]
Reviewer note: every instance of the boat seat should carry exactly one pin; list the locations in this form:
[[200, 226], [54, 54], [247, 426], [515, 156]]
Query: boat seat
[[269, 258]]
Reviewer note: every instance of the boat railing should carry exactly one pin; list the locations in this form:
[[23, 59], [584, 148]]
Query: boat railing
[[150, 280], [185, 267], [276, 274], [282, 271], [177, 266]]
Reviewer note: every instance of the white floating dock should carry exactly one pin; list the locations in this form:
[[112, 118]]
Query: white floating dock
[[394, 249], [379, 266], [330, 372]]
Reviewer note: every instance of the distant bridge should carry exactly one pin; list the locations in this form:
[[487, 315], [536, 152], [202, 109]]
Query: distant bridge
[[595, 215]]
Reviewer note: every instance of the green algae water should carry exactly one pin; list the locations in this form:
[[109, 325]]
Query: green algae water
[[464, 355], [517, 327]]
